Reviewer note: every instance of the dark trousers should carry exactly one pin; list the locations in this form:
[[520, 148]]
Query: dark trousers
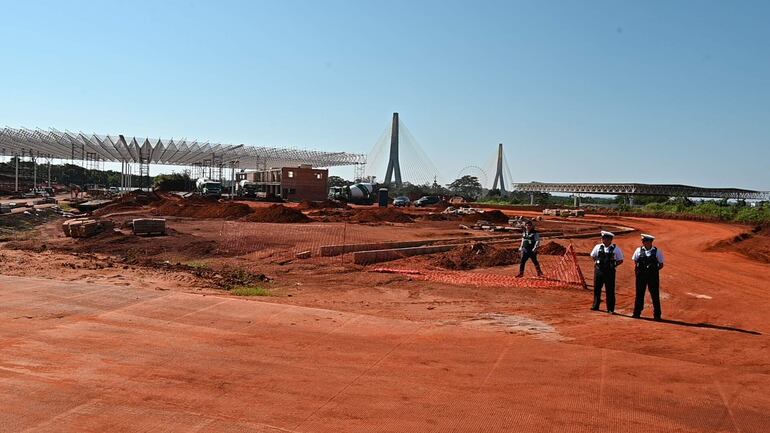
[[604, 278], [527, 255], [647, 280]]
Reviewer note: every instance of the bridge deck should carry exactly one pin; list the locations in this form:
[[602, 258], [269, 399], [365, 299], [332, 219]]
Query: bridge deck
[[642, 189]]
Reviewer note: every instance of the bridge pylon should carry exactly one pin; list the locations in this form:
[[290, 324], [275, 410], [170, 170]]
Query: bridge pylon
[[394, 168], [499, 171]]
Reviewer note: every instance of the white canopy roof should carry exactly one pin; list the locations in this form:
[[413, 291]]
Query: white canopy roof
[[78, 145]]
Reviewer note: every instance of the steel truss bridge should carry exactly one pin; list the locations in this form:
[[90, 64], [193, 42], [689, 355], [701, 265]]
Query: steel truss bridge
[[205, 158], [632, 189]]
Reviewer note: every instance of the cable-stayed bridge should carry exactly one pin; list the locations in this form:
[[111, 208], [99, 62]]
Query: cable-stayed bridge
[[671, 190], [503, 176]]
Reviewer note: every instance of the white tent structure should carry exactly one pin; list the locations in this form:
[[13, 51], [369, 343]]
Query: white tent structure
[[208, 159]]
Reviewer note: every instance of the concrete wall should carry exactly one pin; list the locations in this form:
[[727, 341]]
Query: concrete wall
[[377, 256]]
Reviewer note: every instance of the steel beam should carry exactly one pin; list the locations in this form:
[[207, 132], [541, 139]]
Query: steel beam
[[631, 189]]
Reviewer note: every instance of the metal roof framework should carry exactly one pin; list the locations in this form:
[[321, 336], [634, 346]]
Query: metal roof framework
[[54, 144], [643, 189]]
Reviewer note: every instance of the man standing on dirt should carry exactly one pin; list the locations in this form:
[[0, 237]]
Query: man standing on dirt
[[607, 256], [530, 241], [649, 261]]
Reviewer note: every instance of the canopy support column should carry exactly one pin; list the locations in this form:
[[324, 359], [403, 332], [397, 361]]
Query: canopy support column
[[16, 188]]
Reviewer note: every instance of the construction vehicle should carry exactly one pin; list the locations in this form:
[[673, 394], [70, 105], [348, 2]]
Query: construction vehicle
[[359, 193], [208, 187], [247, 188]]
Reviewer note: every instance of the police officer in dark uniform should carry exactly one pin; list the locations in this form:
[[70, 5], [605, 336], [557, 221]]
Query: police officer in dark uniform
[[530, 241], [607, 256], [649, 261]]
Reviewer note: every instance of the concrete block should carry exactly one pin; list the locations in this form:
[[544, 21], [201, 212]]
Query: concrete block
[[377, 256], [149, 226]]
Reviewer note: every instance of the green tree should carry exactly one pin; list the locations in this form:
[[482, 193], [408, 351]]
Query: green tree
[[338, 181], [174, 182], [467, 187]]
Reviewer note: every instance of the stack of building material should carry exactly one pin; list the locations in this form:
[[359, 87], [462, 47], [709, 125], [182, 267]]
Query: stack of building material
[[565, 213], [149, 226], [85, 227]]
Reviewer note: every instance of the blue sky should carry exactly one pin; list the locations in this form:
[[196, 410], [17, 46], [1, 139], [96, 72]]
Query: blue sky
[[669, 91]]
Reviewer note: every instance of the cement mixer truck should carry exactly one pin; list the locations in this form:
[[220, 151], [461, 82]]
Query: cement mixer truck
[[247, 189], [208, 188], [359, 193]]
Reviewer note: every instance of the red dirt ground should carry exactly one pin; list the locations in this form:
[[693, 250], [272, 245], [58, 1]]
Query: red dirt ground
[[754, 244], [378, 215], [324, 204], [552, 249], [196, 207], [277, 214], [133, 348], [476, 255], [494, 216]]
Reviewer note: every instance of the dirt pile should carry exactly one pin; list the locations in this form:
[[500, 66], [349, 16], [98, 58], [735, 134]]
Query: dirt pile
[[134, 200], [440, 217], [754, 244], [324, 204], [552, 249], [477, 255], [494, 216], [331, 215], [379, 215], [130, 249], [277, 214], [18, 225], [199, 207]]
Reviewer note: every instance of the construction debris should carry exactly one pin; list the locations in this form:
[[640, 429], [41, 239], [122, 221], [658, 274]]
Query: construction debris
[[565, 213]]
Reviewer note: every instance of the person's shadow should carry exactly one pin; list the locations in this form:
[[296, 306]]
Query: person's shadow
[[696, 325]]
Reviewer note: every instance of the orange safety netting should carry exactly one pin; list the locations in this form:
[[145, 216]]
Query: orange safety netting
[[565, 273]]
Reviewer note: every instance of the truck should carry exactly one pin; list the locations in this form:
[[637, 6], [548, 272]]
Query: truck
[[359, 193], [208, 187], [247, 188]]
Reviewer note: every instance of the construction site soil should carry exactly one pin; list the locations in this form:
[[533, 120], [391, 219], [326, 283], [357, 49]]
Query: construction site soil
[[277, 214], [131, 201], [324, 204], [477, 255], [753, 244], [493, 216], [552, 249], [203, 208], [122, 333]]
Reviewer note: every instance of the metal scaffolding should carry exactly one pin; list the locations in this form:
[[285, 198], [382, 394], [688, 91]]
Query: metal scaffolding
[[632, 189], [96, 148]]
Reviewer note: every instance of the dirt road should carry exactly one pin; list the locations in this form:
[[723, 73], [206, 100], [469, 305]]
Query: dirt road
[[396, 356]]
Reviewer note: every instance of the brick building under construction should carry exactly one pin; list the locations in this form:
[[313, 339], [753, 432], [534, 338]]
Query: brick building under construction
[[290, 183]]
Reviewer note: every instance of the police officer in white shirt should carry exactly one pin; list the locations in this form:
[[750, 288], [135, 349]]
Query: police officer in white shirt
[[649, 261], [607, 256]]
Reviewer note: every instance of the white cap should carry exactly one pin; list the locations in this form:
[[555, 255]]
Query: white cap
[[606, 233], [646, 237]]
